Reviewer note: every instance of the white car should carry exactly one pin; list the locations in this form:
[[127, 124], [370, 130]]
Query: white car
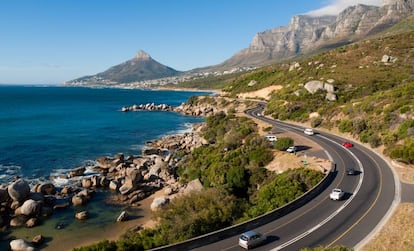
[[336, 194], [271, 138], [308, 131], [251, 239], [291, 149]]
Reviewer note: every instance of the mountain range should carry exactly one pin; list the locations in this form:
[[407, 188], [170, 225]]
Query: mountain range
[[304, 35]]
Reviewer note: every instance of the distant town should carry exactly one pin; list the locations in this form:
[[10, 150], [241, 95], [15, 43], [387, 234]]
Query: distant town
[[153, 83]]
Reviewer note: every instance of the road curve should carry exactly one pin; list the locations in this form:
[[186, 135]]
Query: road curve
[[370, 197]]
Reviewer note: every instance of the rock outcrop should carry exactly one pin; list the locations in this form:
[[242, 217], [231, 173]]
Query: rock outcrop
[[306, 34], [19, 190], [21, 245], [316, 85]]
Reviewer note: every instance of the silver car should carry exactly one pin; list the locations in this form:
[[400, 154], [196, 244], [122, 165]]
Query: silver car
[[251, 239]]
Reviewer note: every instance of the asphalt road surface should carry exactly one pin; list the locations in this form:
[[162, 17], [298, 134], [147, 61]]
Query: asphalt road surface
[[370, 194]]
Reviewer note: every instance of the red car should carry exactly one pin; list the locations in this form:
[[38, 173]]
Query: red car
[[347, 144]]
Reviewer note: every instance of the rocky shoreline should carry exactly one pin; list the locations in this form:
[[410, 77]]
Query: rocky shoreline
[[186, 109], [131, 178]]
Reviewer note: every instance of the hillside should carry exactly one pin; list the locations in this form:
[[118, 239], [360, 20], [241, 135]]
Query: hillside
[[365, 89], [141, 67], [306, 34]]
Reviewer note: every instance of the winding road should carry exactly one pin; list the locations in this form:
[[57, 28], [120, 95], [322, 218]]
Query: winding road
[[371, 195]]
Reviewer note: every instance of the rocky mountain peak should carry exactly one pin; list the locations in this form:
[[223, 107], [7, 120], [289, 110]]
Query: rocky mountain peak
[[307, 33], [142, 55], [400, 4]]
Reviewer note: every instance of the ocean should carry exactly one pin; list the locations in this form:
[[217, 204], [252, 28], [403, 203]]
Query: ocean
[[45, 131]]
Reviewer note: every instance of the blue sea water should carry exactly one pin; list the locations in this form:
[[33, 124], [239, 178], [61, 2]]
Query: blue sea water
[[48, 130]]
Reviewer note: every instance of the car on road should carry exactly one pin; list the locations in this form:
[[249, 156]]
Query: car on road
[[336, 194], [308, 131], [350, 171], [291, 149], [251, 239], [347, 144]]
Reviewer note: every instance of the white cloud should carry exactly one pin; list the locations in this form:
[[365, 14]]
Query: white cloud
[[336, 6]]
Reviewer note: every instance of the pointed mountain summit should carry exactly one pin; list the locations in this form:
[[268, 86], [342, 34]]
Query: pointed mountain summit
[[141, 67], [142, 55]]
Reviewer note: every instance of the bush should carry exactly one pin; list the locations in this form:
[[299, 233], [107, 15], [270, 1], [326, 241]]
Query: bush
[[316, 122], [284, 188], [283, 143], [374, 140], [404, 128], [345, 125], [404, 153]]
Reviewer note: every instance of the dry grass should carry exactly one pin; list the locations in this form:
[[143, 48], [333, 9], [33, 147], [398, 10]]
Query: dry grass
[[398, 234]]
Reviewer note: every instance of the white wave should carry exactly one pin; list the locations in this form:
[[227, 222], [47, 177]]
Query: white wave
[[60, 182], [9, 172], [188, 127]]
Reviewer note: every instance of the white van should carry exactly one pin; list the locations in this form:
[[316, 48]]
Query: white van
[[308, 131], [271, 137]]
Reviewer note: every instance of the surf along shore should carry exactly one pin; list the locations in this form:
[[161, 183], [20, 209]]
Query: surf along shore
[[133, 183], [151, 163]]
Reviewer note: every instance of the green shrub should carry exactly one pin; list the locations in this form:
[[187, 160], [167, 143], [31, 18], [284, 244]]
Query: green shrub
[[404, 129], [358, 125], [285, 187], [316, 122], [404, 153], [374, 140], [267, 129], [283, 143], [389, 138], [345, 125]]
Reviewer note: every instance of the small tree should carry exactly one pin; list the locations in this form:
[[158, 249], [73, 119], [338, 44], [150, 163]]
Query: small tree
[[283, 143]]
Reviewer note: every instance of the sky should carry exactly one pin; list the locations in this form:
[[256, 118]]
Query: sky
[[52, 41]]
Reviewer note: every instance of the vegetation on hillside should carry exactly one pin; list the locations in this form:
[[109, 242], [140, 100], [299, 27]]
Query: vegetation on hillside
[[375, 101], [231, 169], [375, 97]]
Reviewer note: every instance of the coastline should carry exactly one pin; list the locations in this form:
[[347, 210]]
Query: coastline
[[75, 232], [111, 232]]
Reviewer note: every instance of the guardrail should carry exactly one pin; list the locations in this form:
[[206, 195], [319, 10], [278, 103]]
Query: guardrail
[[255, 222]]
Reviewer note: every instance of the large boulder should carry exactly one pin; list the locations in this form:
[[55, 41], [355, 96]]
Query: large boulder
[[19, 190], [29, 207], [314, 85], [32, 222], [114, 185], [21, 245], [158, 202], [79, 200], [77, 172], [193, 186], [18, 220], [122, 217], [4, 195], [104, 162], [134, 175], [38, 240], [47, 189], [83, 215], [86, 183]]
